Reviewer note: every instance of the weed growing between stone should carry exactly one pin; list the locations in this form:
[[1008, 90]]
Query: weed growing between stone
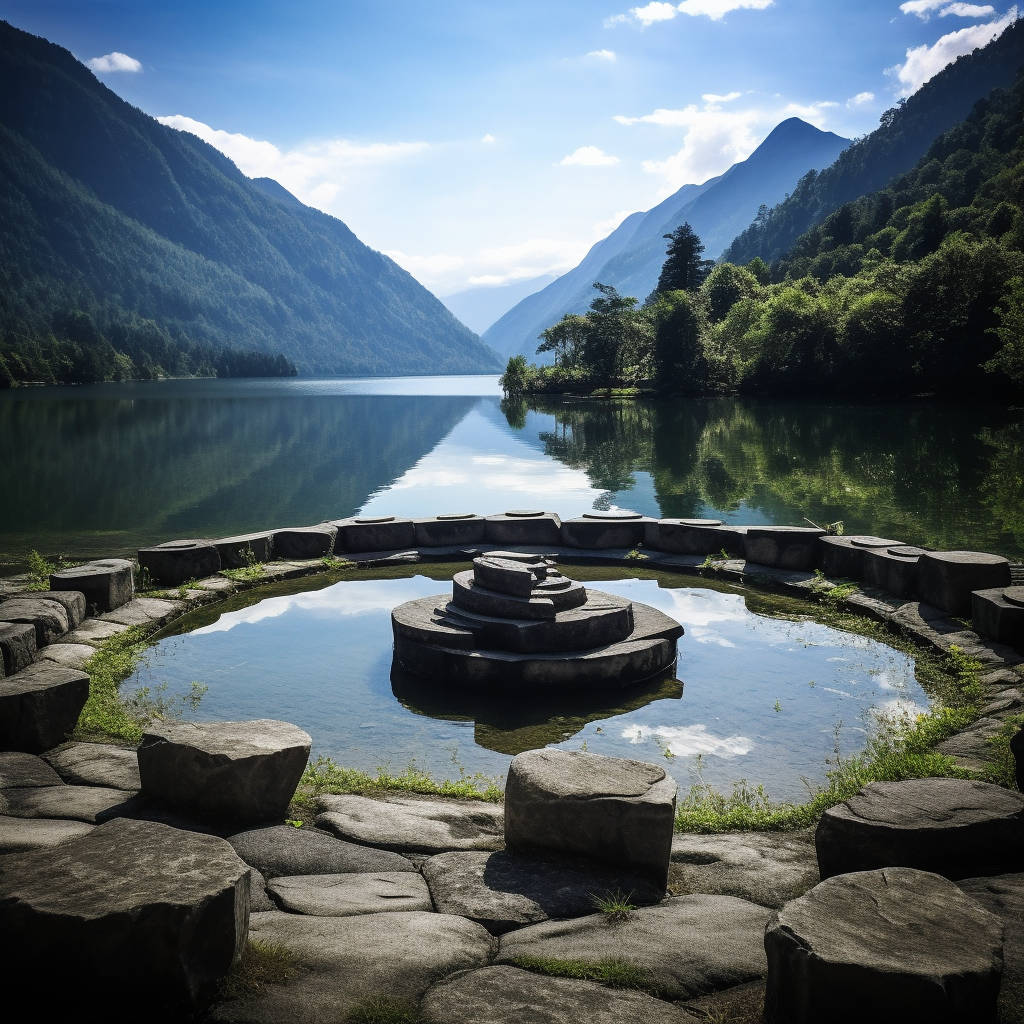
[[261, 964], [39, 569], [614, 905], [251, 572], [383, 1010], [613, 973], [1002, 770]]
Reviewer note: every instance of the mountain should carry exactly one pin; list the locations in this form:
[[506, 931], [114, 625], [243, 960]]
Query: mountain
[[478, 308], [630, 258], [895, 146], [107, 213]]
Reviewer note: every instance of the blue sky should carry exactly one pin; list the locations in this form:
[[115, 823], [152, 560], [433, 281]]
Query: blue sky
[[480, 143]]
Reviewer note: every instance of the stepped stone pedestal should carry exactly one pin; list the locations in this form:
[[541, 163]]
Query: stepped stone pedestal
[[303, 542], [523, 526], [844, 556], [107, 583], [997, 614], [240, 552], [609, 809], [782, 547], [945, 579], [600, 530], [515, 620], [39, 707], [379, 533], [450, 530], [893, 569], [178, 561], [886, 946]]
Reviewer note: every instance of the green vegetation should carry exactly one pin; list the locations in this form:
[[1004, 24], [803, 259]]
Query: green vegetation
[[383, 1010], [613, 973], [40, 568], [251, 572], [261, 964], [1003, 769], [614, 905]]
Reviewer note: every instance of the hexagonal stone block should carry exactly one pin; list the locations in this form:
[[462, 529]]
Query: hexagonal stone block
[[953, 827], [178, 561], [96, 764], [148, 910], [609, 809], [244, 550], [945, 579], [92, 804], [244, 771], [303, 542], [449, 529], [887, 946], [107, 583], [48, 618], [40, 706], [72, 601], [374, 533], [782, 547], [844, 556], [523, 526], [999, 614], [602, 530], [693, 536], [893, 569], [17, 645]]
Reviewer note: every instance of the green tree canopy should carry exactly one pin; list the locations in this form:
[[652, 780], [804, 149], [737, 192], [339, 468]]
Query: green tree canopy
[[683, 269]]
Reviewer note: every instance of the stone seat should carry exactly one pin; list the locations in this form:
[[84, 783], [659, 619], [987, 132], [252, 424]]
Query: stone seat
[[523, 526], [693, 536], [449, 529], [178, 561], [17, 646], [107, 583], [303, 542], [782, 547], [374, 533], [244, 550], [997, 614], [602, 530], [49, 619], [893, 570], [844, 556], [945, 579], [39, 706]]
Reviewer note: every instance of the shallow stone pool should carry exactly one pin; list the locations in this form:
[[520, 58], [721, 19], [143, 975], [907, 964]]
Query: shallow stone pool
[[758, 698]]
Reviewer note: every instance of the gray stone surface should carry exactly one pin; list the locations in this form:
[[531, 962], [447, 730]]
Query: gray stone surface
[[17, 645], [885, 946], [782, 547], [843, 557], [376, 533], [609, 809], [970, 747], [305, 541], [952, 827], [769, 868], [687, 946], [346, 960], [508, 995], [20, 835], [526, 527], [892, 571], [92, 804], [998, 618], [594, 530], [67, 655], [22, 771], [285, 850], [94, 631], [106, 583], [97, 764], [48, 618], [472, 595], [72, 601], [1006, 702], [244, 550], [693, 536], [405, 823], [259, 901], [449, 529], [502, 891], [143, 611], [40, 706], [178, 561], [375, 892], [945, 579], [244, 771], [148, 910]]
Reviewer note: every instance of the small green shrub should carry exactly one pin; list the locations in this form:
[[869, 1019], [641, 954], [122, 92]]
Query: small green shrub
[[1003, 769], [383, 1010], [248, 573], [261, 964], [40, 568], [614, 905]]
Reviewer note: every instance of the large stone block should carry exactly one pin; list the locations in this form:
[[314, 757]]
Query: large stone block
[[952, 827], [522, 527], [72, 601], [92, 804], [243, 771], [141, 909], [893, 570], [304, 542], [374, 533], [48, 618], [96, 764], [17, 645], [694, 536], [19, 770], [40, 706], [245, 550], [843, 557], [602, 530], [450, 530], [106, 583], [178, 561], [19, 835], [886, 946], [782, 547], [351, 893], [608, 809], [999, 614], [945, 579]]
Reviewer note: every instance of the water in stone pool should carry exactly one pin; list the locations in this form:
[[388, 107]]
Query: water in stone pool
[[759, 698]]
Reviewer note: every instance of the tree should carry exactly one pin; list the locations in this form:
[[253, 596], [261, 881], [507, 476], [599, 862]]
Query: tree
[[760, 270], [612, 323], [1010, 358], [683, 269], [565, 339], [513, 380], [679, 345]]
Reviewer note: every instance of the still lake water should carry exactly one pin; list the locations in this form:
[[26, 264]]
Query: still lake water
[[106, 469]]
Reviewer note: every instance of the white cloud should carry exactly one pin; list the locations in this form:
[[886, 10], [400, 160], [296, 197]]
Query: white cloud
[[688, 740], [588, 156], [114, 62], [488, 138], [603, 228], [608, 55], [924, 8], [923, 62], [713, 9], [710, 97], [654, 11], [967, 10], [860, 99]]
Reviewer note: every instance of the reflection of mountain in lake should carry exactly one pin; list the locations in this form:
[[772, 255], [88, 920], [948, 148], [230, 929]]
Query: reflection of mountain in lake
[[510, 726]]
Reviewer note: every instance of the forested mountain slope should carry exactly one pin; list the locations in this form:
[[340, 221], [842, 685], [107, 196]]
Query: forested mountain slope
[[159, 240]]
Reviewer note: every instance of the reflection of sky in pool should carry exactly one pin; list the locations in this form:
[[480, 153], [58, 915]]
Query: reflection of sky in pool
[[761, 696]]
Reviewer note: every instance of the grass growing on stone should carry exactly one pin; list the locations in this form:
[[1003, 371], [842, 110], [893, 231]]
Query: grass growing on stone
[[613, 973], [383, 1010], [326, 776], [614, 905], [1002, 770], [39, 569], [261, 964]]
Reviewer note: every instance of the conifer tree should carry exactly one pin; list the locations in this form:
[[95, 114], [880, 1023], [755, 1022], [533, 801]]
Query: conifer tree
[[683, 268]]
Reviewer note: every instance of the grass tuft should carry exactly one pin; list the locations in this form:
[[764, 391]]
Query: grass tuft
[[261, 964], [613, 973], [1003, 769], [383, 1010], [614, 905]]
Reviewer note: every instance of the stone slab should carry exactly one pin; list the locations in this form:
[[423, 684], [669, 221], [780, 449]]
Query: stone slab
[[49, 618], [343, 961], [21, 835], [602, 533], [782, 547], [449, 530], [40, 706], [404, 823], [305, 541], [688, 946], [693, 537], [375, 892], [244, 550], [970, 747], [502, 891], [953, 827], [996, 617], [285, 850], [67, 655], [945, 579], [106, 583], [91, 804], [886, 946], [22, 771], [97, 764], [72, 601], [891, 572], [844, 557], [17, 645], [179, 561], [374, 533], [768, 868], [526, 527], [508, 995], [143, 611], [259, 901], [95, 631]]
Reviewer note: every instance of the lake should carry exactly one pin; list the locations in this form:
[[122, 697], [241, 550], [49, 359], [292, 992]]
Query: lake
[[105, 469]]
